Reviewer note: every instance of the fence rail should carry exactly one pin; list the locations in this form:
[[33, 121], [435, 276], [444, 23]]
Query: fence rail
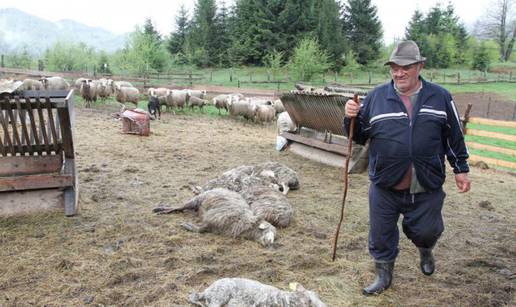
[[490, 148]]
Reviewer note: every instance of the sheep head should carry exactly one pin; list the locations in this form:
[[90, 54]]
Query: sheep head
[[266, 233]]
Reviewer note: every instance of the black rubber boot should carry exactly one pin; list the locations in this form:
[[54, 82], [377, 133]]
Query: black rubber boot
[[427, 263], [383, 278]]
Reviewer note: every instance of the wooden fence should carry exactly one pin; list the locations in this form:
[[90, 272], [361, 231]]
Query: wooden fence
[[494, 135]]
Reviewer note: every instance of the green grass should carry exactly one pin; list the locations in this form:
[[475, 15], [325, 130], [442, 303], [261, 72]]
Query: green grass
[[506, 90], [504, 130], [490, 141], [494, 155]]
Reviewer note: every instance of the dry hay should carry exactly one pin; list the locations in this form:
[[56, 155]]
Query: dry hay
[[116, 252]]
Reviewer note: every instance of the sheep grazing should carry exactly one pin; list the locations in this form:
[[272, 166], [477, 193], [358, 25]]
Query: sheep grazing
[[265, 113], [242, 108], [196, 102], [197, 93], [221, 102], [269, 204], [226, 213], [248, 292], [54, 83], [176, 98], [128, 94], [154, 107]]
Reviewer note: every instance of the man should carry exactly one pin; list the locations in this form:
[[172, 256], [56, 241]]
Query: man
[[411, 124]]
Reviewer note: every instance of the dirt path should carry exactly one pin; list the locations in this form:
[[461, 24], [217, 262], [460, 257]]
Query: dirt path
[[117, 252]]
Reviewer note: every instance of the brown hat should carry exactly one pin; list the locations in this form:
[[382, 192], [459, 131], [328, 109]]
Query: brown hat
[[406, 53]]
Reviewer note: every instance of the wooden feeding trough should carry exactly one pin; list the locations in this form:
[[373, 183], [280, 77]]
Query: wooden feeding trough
[[319, 136], [37, 158]]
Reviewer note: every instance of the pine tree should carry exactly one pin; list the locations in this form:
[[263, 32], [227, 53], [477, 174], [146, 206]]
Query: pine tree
[[297, 20], [329, 31], [363, 29], [177, 40], [203, 39], [148, 29]]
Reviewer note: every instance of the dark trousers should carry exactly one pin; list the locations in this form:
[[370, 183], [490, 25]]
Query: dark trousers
[[422, 220]]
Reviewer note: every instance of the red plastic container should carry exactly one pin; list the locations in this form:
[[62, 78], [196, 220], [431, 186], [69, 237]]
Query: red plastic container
[[136, 121]]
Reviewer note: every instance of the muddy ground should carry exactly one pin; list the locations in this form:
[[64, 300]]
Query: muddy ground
[[116, 252]]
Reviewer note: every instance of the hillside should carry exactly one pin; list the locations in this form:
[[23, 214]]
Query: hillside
[[19, 29]]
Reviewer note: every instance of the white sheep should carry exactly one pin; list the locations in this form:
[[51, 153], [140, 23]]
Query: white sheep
[[278, 106], [196, 102], [128, 94], [197, 93], [226, 213], [242, 108], [265, 113], [285, 176], [247, 292], [54, 83], [31, 85]]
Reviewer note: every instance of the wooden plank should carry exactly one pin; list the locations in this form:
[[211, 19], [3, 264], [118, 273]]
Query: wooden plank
[[29, 165], [489, 134], [33, 182], [16, 137], [42, 129], [25, 133], [71, 194], [491, 161], [28, 202], [335, 148], [66, 132], [7, 138], [506, 151], [51, 122], [492, 122]]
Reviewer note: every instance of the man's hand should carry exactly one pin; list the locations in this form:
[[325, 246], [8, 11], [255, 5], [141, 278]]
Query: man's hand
[[462, 181], [351, 109]]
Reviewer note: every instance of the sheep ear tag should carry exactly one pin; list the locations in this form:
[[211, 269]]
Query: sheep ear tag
[[262, 226], [292, 286]]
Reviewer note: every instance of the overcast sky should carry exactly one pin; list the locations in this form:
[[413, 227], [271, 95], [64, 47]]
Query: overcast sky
[[120, 17]]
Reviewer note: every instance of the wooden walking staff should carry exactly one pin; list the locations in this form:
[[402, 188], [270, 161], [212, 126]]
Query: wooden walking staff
[[346, 166]]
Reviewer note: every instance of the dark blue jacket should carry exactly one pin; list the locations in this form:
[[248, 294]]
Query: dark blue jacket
[[396, 141]]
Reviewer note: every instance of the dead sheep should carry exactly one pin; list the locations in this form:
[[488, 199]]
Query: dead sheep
[[269, 204], [271, 174], [226, 213], [285, 176], [248, 292]]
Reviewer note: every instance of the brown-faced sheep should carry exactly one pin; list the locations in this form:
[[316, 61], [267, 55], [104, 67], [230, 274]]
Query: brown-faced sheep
[[88, 91], [248, 292], [226, 213]]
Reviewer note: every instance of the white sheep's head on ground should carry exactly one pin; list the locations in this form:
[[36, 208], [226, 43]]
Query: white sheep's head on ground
[[267, 233]]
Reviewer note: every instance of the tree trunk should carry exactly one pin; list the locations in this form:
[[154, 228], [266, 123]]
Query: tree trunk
[[510, 46]]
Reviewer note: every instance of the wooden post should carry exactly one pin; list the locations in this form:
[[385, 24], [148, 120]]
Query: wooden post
[[279, 87], [336, 76], [238, 84], [268, 75], [351, 77], [369, 73], [231, 75], [488, 107], [444, 77], [458, 77], [431, 76], [251, 76], [514, 112], [190, 78], [510, 76], [211, 75]]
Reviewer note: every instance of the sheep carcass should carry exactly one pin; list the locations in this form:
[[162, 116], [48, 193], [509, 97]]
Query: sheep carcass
[[226, 213], [269, 204], [248, 292]]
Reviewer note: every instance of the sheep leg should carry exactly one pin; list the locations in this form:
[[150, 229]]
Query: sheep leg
[[285, 188], [193, 228]]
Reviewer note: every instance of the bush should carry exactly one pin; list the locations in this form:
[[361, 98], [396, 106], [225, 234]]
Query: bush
[[308, 60]]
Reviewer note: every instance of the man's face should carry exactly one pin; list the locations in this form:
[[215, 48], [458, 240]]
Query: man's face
[[406, 77]]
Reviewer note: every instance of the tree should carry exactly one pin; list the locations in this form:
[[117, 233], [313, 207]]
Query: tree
[[177, 40], [308, 60], [297, 20], [142, 53], [363, 29], [203, 38], [481, 58], [223, 37], [499, 23], [329, 31], [64, 56], [148, 29]]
